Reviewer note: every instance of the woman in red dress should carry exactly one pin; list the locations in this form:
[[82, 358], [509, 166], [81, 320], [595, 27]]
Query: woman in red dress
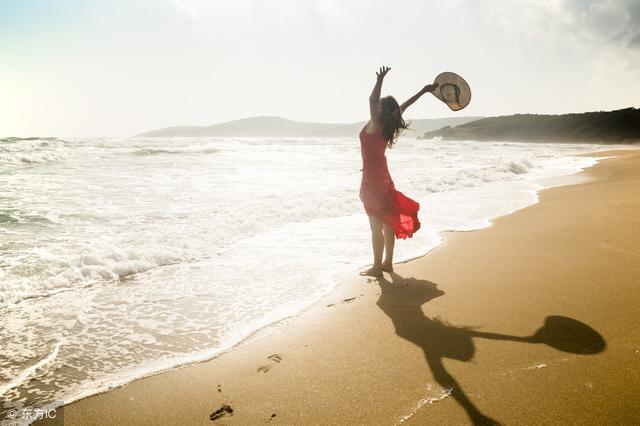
[[391, 213]]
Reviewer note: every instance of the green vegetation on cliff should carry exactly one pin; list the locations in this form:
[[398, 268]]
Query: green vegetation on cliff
[[620, 126]]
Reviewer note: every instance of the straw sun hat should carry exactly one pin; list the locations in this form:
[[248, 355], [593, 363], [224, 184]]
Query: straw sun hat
[[452, 90]]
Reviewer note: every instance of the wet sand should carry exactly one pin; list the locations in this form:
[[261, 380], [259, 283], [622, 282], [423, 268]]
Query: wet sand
[[534, 320]]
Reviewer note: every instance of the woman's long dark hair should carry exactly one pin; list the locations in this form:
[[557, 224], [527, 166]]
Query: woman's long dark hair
[[391, 117]]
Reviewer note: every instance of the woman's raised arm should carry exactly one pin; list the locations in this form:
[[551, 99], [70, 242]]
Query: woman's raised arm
[[374, 100], [426, 89]]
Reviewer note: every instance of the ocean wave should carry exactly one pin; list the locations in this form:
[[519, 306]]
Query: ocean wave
[[19, 151], [16, 139], [30, 371], [48, 274], [185, 150], [453, 179], [21, 216], [518, 167]]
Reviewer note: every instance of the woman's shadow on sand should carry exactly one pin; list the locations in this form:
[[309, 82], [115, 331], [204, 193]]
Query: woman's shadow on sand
[[402, 299]]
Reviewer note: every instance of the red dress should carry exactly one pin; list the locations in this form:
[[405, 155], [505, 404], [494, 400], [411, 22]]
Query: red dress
[[377, 191]]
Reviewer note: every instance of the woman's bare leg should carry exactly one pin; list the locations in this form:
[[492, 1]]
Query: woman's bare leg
[[377, 242], [389, 242]]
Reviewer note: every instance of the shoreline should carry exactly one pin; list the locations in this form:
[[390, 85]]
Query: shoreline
[[148, 366], [276, 326], [339, 290]]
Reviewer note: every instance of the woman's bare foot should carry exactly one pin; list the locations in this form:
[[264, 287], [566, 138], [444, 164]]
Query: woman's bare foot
[[387, 267], [374, 271]]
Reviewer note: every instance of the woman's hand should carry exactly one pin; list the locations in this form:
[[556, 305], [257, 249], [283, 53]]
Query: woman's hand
[[430, 87], [382, 72]]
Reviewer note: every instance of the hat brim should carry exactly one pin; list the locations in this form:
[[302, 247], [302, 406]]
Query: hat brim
[[453, 90]]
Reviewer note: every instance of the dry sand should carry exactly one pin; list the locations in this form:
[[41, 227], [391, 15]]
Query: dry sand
[[534, 320]]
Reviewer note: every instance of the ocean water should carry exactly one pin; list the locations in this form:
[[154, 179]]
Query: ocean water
[[121, 257]]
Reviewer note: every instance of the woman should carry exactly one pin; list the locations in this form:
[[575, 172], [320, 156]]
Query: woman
[[391, 213]]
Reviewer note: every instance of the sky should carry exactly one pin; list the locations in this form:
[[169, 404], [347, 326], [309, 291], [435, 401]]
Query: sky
[[120, 67]]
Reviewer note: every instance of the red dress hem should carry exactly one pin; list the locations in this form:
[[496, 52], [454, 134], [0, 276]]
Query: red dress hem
[[377, 190]]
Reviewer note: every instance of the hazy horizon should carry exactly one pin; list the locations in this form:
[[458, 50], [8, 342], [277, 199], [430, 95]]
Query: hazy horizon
[[80, 68]]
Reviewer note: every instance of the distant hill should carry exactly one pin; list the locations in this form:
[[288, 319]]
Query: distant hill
[[603, 126], [282, 127]]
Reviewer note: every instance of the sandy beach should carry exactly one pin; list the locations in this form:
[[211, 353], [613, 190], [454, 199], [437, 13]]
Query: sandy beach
[[533, 320]]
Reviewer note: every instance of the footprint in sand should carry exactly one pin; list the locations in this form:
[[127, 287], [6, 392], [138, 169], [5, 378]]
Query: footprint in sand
[[347, 300], [274, 358], [222, 411]]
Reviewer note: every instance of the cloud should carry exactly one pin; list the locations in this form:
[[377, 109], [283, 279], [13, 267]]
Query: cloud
[[611, 21]]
